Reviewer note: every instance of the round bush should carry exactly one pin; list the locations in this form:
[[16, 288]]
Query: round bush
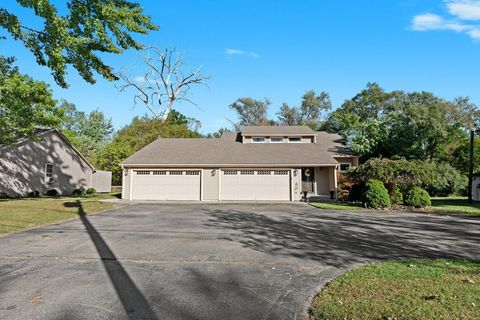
[[4, 195], [396, 197], [52, 193], [77, 193], [375, 195], [34, 194], [91, 191], [417, 197]]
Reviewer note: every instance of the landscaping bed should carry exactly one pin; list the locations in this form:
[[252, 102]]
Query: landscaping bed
[[20, 214], [413, 289]]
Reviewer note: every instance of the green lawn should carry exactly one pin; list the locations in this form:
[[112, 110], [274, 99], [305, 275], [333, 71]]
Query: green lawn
[[338, 206], [415, 289], [455, 205], [20, 214]]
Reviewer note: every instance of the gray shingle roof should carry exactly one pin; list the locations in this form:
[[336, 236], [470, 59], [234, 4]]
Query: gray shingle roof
[[228, 151], [286, 130]]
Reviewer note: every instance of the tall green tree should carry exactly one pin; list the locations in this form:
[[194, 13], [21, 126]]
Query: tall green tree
[[88, 30], [25, 104], [251, 112], [310, 112], [89, 132]]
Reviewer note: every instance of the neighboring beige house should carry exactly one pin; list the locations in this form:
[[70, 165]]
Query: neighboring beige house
[[48, 161], [271, 163]]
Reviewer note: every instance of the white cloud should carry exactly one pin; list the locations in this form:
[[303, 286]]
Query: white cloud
[[460, 10], [238, 52], [464, 9]]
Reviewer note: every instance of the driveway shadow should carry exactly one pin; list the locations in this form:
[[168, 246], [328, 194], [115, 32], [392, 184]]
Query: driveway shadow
[[340, 239], [133, 301]]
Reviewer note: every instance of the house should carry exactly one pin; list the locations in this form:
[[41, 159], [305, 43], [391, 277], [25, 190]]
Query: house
[[272, 163], [47, 161]]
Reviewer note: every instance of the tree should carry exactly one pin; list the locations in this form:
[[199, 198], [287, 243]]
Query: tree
[[89, 133], [90, 28], [310, 112], [218, 133], [25, 104], [251, 112], [136, 135], [164, 82]]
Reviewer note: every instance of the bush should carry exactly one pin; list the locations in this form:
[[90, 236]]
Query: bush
[[396, 196], [4, 195], [77, 192], [445, 180], [356, 192], [375, 195], [417, 197], [91, 191], [52, 193], [34, 194]]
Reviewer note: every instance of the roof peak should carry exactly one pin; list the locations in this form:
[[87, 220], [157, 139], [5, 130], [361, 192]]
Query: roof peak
[[287, 130]]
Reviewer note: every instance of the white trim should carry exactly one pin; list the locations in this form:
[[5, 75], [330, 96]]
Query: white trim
[[130, 196], [46, 179], [231, 165], [219, 173], [291, 184], [201, 184]]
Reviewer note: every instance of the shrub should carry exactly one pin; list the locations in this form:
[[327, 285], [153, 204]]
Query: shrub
[[356, 192], [375, 195], [34, 194], [445, 180], [52, 193], [396, 196], [417, 197], [91, 191], [77, 192], [4, 195]]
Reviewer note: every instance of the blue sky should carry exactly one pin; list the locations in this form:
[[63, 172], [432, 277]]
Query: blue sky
[[279, 49]]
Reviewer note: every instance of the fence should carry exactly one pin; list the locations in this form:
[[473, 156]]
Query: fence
[[102, 181]]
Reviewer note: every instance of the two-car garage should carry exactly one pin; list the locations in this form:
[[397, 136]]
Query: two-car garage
[[230, 184]]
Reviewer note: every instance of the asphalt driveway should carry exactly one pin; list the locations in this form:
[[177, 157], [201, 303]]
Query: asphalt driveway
[[207, 261]]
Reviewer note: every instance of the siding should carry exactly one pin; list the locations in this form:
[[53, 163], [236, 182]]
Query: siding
[[22, 166], [210, 184], [322, 180], [102, 181], [126, 183], [297, 184]]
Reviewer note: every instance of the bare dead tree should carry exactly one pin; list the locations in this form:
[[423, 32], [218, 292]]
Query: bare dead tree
[[164, 82]]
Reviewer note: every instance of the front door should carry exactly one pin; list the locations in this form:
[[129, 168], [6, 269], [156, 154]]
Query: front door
[[308, 177]]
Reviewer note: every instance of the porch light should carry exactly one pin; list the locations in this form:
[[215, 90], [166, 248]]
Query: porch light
[[213, 172], [295, 172]]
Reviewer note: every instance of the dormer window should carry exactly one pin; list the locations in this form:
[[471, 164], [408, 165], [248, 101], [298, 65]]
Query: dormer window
[[258, 139], [276, 139], [294, 140]]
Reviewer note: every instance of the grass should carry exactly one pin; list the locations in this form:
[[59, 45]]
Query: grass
[[414, 289], [442, 205], [338, 206], [21, 214], [455, 205]]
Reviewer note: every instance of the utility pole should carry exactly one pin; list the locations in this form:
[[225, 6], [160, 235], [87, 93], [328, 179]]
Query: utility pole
[[470, 167]]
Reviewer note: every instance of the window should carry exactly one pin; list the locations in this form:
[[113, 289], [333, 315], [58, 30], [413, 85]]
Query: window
[[294, 140], [143, 173], [176, 173], [49, 172], [344, 167], [258, 139], [264, 172], [192, 173], [276, 139], [229, 172], [247, 172], [159, 173], [281, 172]]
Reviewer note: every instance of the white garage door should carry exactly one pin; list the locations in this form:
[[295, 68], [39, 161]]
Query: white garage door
[[166, 185], [255, 185]]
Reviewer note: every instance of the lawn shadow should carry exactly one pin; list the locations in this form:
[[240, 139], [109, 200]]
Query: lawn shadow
[[134, 302]]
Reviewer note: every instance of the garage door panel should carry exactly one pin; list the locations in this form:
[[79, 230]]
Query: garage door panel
[[255, 185], [166, 185]]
